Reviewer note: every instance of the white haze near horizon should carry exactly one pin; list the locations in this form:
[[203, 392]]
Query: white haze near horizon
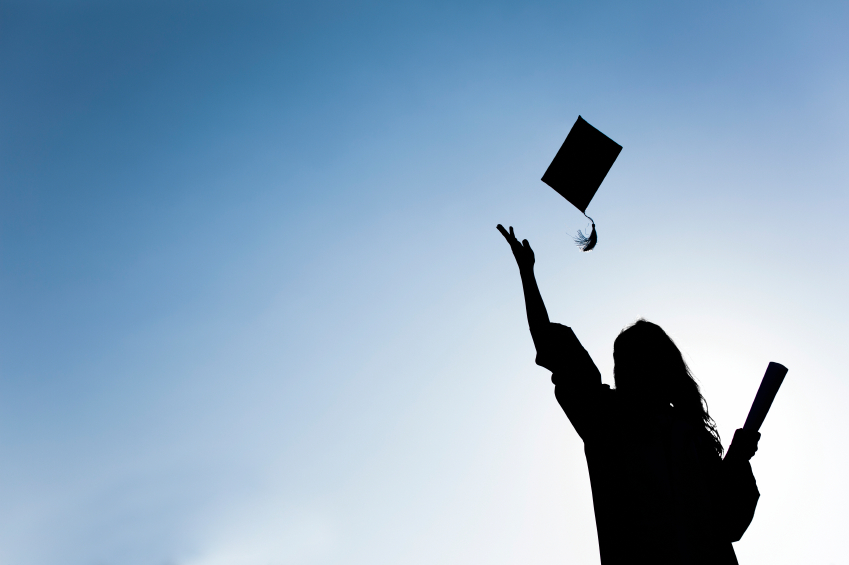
[[254, 309]]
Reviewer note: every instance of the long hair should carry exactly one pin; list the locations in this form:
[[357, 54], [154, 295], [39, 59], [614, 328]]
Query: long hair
[[648, 365]]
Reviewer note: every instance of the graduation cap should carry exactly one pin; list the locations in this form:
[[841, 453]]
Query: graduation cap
[[578, 169]]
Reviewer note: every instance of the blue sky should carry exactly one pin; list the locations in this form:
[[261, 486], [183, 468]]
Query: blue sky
[[255, 309]]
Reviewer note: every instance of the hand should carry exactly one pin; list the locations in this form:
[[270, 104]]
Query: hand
[[521, 251], [744, 445]]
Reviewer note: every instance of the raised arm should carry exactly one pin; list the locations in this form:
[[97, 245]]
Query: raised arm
[[576, 378], [537, 315]]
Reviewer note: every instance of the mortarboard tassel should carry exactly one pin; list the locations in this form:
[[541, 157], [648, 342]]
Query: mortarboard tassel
[[587, 242]]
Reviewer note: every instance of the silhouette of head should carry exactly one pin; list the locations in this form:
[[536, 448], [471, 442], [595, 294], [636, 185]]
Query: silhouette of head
[[649, 368]]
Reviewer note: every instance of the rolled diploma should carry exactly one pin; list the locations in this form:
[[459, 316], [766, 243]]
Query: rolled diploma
[[770, 384]]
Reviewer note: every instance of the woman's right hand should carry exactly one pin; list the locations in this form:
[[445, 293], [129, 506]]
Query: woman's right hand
[[521, 251]]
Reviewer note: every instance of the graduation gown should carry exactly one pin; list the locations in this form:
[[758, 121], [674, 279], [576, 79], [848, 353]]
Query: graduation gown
[[661, 494]]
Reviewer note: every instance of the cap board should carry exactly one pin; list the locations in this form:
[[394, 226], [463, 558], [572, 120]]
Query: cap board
[[581, 164]]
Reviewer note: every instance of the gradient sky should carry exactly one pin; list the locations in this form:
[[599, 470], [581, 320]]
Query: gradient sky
[[254, 309]]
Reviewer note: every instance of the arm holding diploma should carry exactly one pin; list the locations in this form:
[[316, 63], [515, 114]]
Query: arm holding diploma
[[740, 490]]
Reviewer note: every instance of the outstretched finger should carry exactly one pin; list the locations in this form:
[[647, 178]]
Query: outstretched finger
[[503, 231]]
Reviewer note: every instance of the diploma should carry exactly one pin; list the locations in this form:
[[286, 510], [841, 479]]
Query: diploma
[[770, 384]]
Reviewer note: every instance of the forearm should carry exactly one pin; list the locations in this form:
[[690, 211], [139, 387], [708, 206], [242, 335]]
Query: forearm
[[739, 487], [538, 321], [739, 498]]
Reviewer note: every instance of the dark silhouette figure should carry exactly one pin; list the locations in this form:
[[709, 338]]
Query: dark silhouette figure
[[662, 492]]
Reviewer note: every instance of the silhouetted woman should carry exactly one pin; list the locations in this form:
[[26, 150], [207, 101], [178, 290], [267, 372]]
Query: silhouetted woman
[[662, 492]]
